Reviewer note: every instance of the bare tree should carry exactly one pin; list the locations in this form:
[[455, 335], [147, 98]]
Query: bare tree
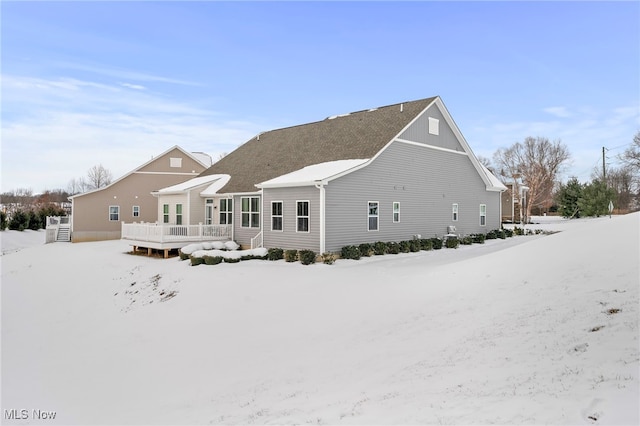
[[98, 176], [77, 186], [536, 163], [631, 156]]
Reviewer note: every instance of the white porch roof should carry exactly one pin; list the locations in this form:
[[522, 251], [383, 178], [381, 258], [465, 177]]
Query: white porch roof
[[311, 174]]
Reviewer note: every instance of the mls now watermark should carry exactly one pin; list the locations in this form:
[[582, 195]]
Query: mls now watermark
[[24, 414]]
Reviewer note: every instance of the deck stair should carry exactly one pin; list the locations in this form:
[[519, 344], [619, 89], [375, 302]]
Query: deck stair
[[64, 234]]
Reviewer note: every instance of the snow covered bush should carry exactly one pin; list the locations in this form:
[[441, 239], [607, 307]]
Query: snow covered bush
[[466, 240], [231, 245], [350, 252], [212, 260], [307, 257], [290, 255], [478, 238], [3, 221], [196, 261], [452, 242]]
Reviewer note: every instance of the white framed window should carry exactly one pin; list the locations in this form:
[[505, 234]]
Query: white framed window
[[175, 162], [208, 211], [250, 212], [454, 212], [302, 216], [114, 213], [483, 215], [178, 214], [136, 211], [434, 126], [165, 213], [372, 215], [226, 211], [276, 215], [396, 212]]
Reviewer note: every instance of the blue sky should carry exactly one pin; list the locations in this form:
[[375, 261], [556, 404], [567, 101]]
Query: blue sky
[[119, 82]]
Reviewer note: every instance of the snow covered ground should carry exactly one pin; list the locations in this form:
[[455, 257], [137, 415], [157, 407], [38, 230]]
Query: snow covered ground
[[539, 330]]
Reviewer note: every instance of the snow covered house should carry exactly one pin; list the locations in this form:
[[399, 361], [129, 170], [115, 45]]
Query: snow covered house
[[382, 174], [98, 214]]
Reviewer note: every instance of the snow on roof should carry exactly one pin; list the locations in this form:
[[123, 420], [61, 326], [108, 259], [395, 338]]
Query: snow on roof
[[495, 182], [203, 158], [310, 174], [214, 180]]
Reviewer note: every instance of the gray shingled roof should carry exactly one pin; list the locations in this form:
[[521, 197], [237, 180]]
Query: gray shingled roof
[[357, 135]]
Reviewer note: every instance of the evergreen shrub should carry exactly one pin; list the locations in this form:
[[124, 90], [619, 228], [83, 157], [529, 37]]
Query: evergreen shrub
[[436, 243], [307, 257], [350, 252], [183, 256], [196, 261], [3, 221], [405, 246], [379, 248], [453, 242], [290, 255], [393, 247], [365, 249], [328, 258], [426, 244], [478, 238], [414, 245], [212, 260], [275, 254], [508, 232], [466, 240], [491, 235], [231, 260]]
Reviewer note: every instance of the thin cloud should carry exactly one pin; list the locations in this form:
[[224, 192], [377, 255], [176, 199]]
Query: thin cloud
[[133, 86], [558, 111]]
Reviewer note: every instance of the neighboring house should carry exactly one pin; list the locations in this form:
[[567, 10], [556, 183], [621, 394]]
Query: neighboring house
[[384, 174], [512, 208], [98, 214]]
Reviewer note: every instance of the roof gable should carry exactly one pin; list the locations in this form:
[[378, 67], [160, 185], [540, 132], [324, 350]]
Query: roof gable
[[351, 136]]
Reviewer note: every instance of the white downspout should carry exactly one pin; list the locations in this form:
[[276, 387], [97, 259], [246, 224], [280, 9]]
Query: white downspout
[[320, 186]]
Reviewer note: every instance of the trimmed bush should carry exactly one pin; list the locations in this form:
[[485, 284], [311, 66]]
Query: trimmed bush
[[393, 247], [275, 254], [196, 261], [212, 260], [508, 232], [183, 256], [518, 231], [436, 243], [492, 235], [350, 252], [426, 244], [501, 234], [452, 242], [307, 257], [366, 249], [328, 258], [380, 248], [405, 246], [231, 259], [478, 238], [414, 245], [290, 255], [3, 221], [466, 240]]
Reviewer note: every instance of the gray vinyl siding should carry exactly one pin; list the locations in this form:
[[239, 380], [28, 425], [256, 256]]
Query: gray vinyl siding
[[288, 238], [242, 235], [426, 182], [419, 131], [196, 208]]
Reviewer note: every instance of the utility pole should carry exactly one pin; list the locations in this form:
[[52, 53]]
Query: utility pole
[[604, 172]]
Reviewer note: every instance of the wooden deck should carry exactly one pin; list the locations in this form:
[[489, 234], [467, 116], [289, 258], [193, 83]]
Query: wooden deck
[[153, 236]]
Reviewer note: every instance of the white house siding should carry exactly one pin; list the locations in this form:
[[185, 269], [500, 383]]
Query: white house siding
[[242, 235], [196, 208], [289, 238], [419, 131], [172, 200], [426, 182]]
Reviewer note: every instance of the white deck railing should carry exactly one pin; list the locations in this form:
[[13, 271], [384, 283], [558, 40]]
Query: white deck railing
[[157, 233]]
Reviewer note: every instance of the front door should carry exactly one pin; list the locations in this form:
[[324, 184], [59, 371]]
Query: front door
[[208, 212]]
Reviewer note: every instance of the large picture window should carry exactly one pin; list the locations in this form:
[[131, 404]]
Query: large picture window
[[276, 215], [483, 214], [226, 211], [372, 215], [114, 213], [250, 212]]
